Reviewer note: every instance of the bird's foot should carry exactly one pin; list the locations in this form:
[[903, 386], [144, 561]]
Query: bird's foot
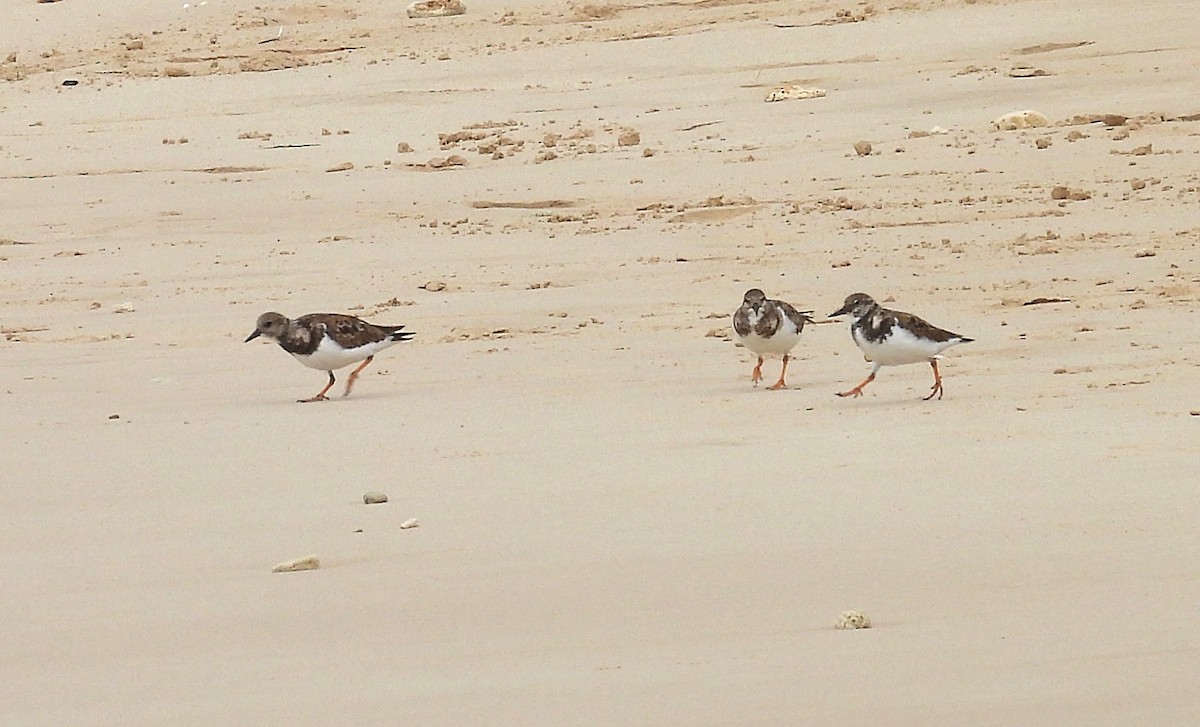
[[318, 397]]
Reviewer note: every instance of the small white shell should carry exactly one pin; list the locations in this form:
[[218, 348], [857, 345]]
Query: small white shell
[[410, 523]]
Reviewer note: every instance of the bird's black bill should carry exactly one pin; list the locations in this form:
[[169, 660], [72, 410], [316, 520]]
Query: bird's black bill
[[252, 336], [839, 312]]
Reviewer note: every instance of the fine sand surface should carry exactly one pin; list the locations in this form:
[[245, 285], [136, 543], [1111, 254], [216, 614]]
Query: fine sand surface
[[616, 528]]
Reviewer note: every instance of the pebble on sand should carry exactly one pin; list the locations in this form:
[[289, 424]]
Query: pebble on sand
[[853, 619], [308, 562], [792, 92], [1026, 119], [374, 498], [436, 8]]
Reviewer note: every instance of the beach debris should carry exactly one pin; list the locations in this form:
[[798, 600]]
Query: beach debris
[[629, 137], [793, 91], [374, 497], [862, 148], [454, 160], [853, 619], [343, 167], [1078, 195], [1109, 120], [278, 35], [1043, 301], [436, 8], [125, 307], [1027, 72], [409, 524], [434, 286], [1026, 119], [308, 562]]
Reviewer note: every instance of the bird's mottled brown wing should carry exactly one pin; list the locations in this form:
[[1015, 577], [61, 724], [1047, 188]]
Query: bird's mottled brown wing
[[741, 321], [797, 317], [922, 328], [346, 331]]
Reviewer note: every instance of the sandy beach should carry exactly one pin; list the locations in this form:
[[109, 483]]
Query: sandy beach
[[566, 203]]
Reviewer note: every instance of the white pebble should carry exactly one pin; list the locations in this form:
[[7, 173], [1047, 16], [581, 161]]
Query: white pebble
[[125, 307], [409, 523], [853, 619], [1014, 120], [436, 8]]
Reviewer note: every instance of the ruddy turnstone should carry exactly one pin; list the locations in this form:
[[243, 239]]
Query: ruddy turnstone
[[328, 341], [893, 338], [768, 328]]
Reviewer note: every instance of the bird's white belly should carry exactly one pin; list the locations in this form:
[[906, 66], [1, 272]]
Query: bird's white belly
[[901, 347], [329, 356], [784, 340]]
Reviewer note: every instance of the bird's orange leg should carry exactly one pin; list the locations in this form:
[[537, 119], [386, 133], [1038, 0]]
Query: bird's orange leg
[[780, 384], [756, 375], [321, 396], [857, 390], [354, 375], [937, 382]]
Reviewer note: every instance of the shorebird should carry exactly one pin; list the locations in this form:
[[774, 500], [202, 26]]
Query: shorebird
[[769, 328], [894, 338], [328, 341]]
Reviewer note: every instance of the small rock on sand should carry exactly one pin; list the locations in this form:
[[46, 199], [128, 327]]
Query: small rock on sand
[[862, 148], [409, 524], [793, 92], [436, 8], [374, 498], [629, 138], [1077, 195], [308, 562], [1027, 119], [434, 286], [853, 619]]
